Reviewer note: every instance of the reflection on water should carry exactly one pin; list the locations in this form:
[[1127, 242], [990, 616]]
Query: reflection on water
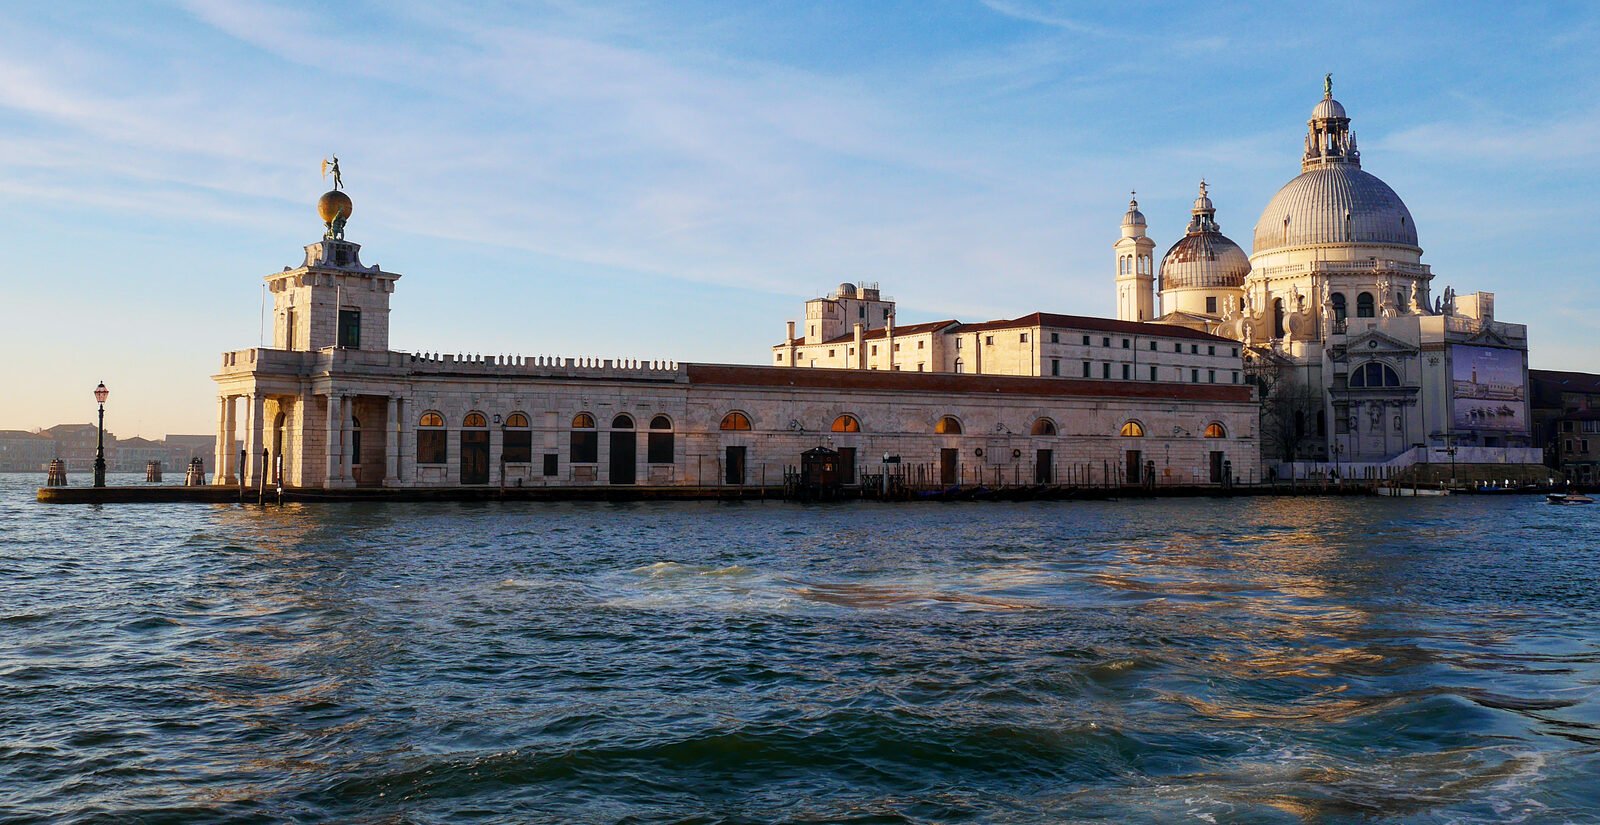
[[1279, 660]]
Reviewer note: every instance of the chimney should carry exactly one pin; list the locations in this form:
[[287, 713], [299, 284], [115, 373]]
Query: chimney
[[861, 351]]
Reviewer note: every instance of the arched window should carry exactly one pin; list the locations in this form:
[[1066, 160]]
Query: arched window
[[948, 425], [517, 445], [1044, 426], [1364, 305], [961, 366], [846, 424], [1215, 430], [1340, 310], [1374, 374], [659, 444], [431, 439], [1132, 429], [1278, 318], [622, 422], [735, 421], [475, 420], [583, 441]]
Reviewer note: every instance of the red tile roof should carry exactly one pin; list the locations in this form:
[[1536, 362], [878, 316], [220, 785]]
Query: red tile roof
[[934, 384]]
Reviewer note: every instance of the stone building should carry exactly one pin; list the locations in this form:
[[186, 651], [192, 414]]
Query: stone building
[[1566, 421], [24, 451], [331, 404], [1356, 357]]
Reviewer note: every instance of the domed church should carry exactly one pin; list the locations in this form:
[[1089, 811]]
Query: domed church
[[1358, 361]]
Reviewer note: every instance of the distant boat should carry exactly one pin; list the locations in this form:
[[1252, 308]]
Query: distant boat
[[1412, 491], [1570, 498]]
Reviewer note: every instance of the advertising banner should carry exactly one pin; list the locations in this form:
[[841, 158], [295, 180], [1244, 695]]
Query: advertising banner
[[1488, 389]]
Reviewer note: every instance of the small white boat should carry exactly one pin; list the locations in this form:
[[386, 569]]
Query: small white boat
[[1412, 491], [1570, 498]]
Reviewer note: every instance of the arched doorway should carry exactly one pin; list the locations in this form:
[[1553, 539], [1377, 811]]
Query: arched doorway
[[624, 450], [474, 449]]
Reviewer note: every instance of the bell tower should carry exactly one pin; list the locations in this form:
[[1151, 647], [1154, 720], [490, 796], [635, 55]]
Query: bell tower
[[331, 300], [1135, 268]]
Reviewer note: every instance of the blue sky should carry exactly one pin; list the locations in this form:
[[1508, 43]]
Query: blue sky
[[672, 180]]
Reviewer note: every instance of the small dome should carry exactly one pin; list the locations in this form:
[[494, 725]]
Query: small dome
[[1204, 260], [1134, 217], [334, 204], [846, 291], [1202, 203], [1328, 108]]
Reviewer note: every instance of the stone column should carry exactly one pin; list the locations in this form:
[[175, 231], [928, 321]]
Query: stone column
[[258, 415], [346, 441], [221, 472], [406, 469], [391, 443], [248, 462], [497, 443], [330, 444]]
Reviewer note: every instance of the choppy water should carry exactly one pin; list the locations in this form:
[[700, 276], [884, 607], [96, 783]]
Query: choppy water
[[1267, 660]]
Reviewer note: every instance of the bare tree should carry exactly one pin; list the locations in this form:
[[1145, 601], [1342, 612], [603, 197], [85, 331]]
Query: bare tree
[[1290, 410]]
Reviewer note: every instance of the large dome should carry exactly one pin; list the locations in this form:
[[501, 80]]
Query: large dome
[[1335, 203]]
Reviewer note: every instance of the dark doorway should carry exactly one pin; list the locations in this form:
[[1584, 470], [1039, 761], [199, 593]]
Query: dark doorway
[[1044, 466], [1216, 466], [1134, 467], [624, 452], [847, 465], [474, 456], [733, 466], [949, 465]]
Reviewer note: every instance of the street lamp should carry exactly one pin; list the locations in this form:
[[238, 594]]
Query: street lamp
[[100, 393], [1338, 471]]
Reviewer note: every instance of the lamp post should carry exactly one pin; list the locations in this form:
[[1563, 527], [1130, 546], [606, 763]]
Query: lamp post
[[100, 393], [1338, 471]]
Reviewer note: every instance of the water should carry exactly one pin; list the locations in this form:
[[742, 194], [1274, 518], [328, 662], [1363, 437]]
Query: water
[[1252, 660]]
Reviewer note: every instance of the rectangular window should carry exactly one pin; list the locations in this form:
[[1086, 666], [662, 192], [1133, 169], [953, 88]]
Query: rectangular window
[[1211, 305], [288, 329], [1153, 374], [1023, 338], [958, 346], [896, 347], [1211, 350], [1086, 340], [875, 349], [1194, 349], [518, 447], [585, 447], [1194, 376], [1234, 352], [1055, 337], [1105, 370], [780, 356], [988, 339], [851, 351], [1235, 376], [1055, 366], [1211, 376], [1126, 343], [1105, 341], [430, 446], [919, 366], [921, 344], [1127, 372], [1177, 347], [552, 464], [1086, 369], [830, 353], [1152, 346], [350, 328], [658, 448]]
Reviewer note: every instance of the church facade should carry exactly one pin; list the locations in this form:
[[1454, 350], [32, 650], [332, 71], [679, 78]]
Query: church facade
[[1357, 356]]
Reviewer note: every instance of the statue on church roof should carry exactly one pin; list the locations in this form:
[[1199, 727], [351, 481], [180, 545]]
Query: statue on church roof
[[1327, 85]]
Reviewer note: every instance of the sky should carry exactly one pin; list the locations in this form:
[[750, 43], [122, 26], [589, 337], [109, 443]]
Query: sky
[[672, 180]]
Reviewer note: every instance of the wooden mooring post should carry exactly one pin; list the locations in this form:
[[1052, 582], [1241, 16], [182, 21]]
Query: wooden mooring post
[[57, 474], [196, 474], [152, 471]]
